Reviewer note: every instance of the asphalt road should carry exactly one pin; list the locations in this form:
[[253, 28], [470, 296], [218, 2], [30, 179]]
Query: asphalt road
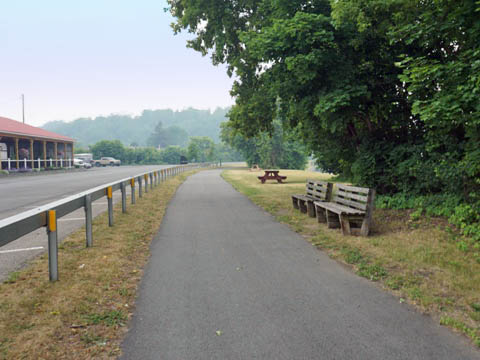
[[22, 193], [226, 281]]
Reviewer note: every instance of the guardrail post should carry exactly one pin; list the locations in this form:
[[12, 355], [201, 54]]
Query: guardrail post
[[52, 245], [145, 176], [110, 206], [88, 220], [124, 197], [139, 186], [132, 186], [151, 180]]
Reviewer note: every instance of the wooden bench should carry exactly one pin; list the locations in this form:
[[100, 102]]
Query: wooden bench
[[350, 209], [315, 191]]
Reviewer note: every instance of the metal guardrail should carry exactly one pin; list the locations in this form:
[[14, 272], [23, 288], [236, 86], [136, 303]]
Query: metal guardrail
[[24, 223]]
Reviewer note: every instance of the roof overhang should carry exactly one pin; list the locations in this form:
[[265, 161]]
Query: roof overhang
[[18, 134]]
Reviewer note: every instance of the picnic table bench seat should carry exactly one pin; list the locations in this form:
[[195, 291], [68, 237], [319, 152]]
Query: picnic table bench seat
[[350, 209], [315, 191]]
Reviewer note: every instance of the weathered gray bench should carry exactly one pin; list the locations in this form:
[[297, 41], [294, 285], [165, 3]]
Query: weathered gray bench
[[315, 191], [351, 209]]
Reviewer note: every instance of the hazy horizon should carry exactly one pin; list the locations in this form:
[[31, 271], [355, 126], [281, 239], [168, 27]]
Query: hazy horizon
[[133, 115], [90, 59]]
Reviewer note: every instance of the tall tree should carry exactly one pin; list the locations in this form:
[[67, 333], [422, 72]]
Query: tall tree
[[201, 149]]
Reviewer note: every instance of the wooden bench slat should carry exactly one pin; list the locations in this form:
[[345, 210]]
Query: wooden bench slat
[[348, 195], [354, 204], [338, 209], [353, 189], [317, 193]]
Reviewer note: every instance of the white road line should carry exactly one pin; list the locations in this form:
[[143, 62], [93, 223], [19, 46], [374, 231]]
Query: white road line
[[18, 250], [71, 219]]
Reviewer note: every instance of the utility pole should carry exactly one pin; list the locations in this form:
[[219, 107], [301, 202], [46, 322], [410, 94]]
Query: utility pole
[[23, 108]]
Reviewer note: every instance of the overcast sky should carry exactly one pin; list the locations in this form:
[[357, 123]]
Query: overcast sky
[[96, 57]]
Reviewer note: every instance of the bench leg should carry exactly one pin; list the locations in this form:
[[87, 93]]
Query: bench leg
[[295, 202], [311, 209], [345, 224], [365, 229], [333, 221], [303, 207], [321, 217]]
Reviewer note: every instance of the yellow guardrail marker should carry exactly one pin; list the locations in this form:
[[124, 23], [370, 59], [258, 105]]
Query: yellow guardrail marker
[[109, 192], [52, 220], [146, 177], [132, 182]]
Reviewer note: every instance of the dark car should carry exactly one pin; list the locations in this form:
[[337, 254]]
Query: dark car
[[183, 160]]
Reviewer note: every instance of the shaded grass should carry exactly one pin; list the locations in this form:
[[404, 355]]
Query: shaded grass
[[417, 260], [84, 314]]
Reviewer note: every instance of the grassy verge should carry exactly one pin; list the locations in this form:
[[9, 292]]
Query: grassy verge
[[417, 260], [84, 314]]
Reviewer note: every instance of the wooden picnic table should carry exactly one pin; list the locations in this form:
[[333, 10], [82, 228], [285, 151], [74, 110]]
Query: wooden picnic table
[[271, 175]]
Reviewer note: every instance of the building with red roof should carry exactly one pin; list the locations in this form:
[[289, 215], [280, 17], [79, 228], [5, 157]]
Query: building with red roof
[[26, 146]]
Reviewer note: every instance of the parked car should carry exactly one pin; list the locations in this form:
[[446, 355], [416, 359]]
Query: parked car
[[104, 161], [86, 157], [79, 163], [183, 160]]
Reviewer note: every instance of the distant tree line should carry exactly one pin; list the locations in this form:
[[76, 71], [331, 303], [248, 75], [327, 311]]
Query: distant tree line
[[137, 130], [199, 149], [384, 93]]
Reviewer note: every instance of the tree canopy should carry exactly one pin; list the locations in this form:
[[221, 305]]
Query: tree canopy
[[385, 92], [163, 137]]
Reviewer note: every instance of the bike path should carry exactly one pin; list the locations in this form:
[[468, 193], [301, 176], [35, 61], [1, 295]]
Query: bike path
[[226, 281]]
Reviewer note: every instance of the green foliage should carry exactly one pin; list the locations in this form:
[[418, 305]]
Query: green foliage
[[109, 318], [474, 334], [385, 93], [227, 153], [275, 149], [465, 216], [163, 137], [112, 148], [374, 272], [201, 149], [172, 154]]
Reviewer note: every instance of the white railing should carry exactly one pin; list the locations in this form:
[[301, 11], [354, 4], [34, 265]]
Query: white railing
[[11, 164]]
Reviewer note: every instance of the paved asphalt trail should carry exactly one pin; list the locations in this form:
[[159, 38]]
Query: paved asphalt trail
[[219, 263]]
